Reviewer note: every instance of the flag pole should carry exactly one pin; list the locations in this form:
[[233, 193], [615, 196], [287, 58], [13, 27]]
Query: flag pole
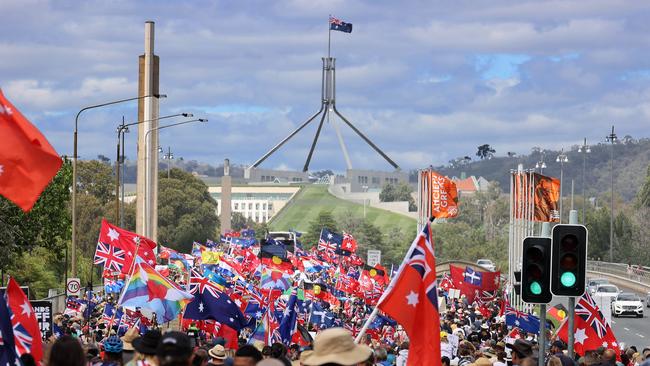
[[388, 289], [329, 36]]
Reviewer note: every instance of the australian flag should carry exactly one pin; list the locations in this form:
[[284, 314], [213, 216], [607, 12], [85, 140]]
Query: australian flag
[[523, 321], [289, 319], [329, 241], [211, 303], [339, 25], [8, 355], [473, 277]]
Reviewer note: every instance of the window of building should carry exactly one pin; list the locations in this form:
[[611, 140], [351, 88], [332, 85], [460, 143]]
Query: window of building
[[263, 206], [375, 180], [257, 206], [250, 206], [270, 206], [236, 206]]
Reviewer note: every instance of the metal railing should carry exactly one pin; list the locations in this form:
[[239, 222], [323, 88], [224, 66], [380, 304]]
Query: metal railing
[[633, 273]]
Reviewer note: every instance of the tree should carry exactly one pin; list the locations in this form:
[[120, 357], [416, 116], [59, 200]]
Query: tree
[[95, 178], [237, 221], [643, 197], [398, 193], [323, 220], [47, 225], [186, 211], [485, 152]]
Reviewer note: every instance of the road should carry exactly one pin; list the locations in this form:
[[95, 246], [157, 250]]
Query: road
[[628, 330]]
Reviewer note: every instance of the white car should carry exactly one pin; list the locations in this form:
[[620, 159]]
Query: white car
[[487, 264], [607, 291], [594, 283], [627, 304]]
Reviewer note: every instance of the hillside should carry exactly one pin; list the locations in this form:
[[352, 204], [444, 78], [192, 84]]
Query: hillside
[[631, 160], [312, 199]]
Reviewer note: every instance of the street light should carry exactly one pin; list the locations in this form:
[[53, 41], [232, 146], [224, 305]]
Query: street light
[[541, 165], [169, 156], [611, 138], [74, 171], [562, 158], [147, 178], [121, 130], [584, 149]]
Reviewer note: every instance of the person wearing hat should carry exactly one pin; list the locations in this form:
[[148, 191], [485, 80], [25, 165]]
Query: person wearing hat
[[556, 350], [520, 350], [174, 349], [335, 346], [127, 350], [481, 361], [145, 348], [247, 355], [217, 355], [446, 348]]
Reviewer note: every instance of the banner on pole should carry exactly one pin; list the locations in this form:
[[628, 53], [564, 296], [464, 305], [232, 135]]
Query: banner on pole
[[374, 257]]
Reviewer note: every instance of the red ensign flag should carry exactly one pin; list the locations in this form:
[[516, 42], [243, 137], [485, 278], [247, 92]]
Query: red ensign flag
[[27, 160]]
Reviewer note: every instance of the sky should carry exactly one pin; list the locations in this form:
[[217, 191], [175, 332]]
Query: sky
[[427, 81]]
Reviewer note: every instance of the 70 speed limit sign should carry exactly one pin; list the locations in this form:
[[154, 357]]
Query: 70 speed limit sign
[[73, 286]]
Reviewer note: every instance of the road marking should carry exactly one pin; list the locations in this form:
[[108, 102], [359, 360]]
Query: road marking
[[640, 335], [626, 329]]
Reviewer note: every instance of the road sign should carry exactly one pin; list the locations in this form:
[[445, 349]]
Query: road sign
[[43, 313], [374, 257], [73, 286]]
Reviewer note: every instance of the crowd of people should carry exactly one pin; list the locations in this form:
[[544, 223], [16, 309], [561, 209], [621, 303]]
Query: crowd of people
[[94, 331]]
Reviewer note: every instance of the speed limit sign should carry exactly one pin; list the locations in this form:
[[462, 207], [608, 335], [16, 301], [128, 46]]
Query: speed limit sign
[[73, 286]]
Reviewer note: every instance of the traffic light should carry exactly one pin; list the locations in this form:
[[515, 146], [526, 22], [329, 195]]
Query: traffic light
[[535, 271], [517, 283], [569, 261]]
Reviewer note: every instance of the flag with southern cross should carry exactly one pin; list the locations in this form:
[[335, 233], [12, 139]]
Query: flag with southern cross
[[211, 303], [329, 241], [8, 355], [526, 322], [339, 25]]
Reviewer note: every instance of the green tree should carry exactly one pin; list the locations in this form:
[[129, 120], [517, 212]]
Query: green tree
[[96, 178], [186, 211], [237, 221], [399, 192], [485, 152], [47, 225], [643, 197], [323, 220]]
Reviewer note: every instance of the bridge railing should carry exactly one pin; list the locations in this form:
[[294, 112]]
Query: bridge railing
[[632, 273]]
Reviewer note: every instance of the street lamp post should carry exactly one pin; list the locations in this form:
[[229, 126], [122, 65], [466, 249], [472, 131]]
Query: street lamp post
[[119, 184], [169, 156], [73, 251], [584, 149], [611, 138], [562, 158], [541, 165], [147, 178]]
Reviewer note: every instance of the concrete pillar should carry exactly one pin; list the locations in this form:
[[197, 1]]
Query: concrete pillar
[[148, 110], [226, 198]]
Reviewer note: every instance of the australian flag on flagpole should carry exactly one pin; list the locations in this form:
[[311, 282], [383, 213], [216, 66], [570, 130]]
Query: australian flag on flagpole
[[339, 25]]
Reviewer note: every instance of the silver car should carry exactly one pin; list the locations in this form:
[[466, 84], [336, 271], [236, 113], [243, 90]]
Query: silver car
[[627, 304], [594, 283], [609, 291], [487, 264]]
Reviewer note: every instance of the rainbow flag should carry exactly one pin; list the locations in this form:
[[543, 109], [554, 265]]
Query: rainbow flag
[[152, 292]]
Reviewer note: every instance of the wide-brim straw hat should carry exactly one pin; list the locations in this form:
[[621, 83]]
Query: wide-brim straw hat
[[336, 345]]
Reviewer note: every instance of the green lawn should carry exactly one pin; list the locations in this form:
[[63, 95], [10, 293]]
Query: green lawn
[[312, 199]]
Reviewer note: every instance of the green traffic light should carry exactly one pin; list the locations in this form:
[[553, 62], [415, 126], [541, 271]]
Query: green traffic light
[[535, 288], [568, 279]]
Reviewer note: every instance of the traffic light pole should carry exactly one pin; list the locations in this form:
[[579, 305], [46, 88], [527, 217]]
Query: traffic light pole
[[573, 220], [546, 233]]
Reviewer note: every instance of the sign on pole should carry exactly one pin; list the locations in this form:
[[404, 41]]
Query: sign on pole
[[43, 313], [374, 257], [73, 286]]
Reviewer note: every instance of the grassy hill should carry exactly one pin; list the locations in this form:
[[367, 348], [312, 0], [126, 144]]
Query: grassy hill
[[314, 198]]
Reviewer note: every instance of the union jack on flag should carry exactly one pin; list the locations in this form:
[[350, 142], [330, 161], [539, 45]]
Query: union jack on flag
[[587, 309], [199, 284], [23, 339], [111, 256]]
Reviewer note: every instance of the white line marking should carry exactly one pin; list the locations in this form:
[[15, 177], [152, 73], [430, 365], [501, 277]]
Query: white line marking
[[640, 335], [628, 329]]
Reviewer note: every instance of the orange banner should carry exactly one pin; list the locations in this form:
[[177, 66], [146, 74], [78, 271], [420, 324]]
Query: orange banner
[[443, 195], [547, 198]]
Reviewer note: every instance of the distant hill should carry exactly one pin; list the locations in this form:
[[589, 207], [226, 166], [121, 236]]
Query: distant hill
[[631, 160]]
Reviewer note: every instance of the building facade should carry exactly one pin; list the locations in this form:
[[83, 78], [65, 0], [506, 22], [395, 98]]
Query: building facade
[[258, 203]]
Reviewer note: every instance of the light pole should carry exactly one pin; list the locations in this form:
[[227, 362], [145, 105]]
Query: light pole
[[562, 158], [121, 130], [584, 149], [611, 138], [73, 251], [541, 165], [147, 177], [169, 156]]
